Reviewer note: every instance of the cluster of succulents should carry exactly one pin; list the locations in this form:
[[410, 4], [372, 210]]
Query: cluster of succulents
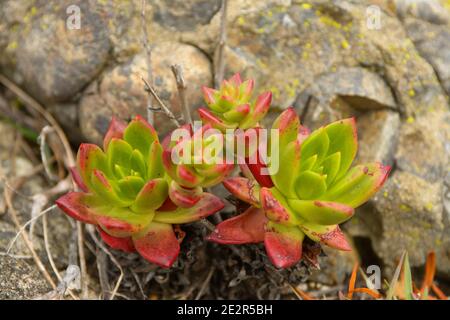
[[134, 191]]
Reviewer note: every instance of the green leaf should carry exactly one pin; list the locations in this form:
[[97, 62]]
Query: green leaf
[[310, 185], [90, 157], [137, 163], [288, 125], [321, 212], [331, 166], [121, 222], [343, 139], [276, 207], [104, 189], [155, 162], [130, 186], [140, 135], [151, 196], [119, 154], [316, 143], [309, 163], [207, 205], [358, 185], [289, 166], [395, 277], [407, 279]]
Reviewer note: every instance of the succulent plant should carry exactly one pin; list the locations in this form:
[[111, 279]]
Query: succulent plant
[[314, 190], [231, 106], [198, 166], [124, 192]]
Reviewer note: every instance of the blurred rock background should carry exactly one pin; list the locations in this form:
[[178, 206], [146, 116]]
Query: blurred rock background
[[329, 59]]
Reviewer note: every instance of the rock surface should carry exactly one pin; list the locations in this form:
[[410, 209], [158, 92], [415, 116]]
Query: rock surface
[[120, 91]]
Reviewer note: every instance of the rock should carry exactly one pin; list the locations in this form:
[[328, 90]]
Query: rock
[[406, 215], [120, 91], [377, 136], [427, 10], [56, 62], [344, 93], [20, 280], [335, 267], [433, 43], [423, 146]]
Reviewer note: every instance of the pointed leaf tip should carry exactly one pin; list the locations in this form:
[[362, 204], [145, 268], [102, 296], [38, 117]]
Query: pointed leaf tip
[[159, 245], [247, 227], [115, 130]]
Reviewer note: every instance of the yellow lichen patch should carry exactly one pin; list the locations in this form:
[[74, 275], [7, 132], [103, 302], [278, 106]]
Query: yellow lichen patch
[[345, 44], [241, 21], [410, 119], [429, 206], [385, 194], [306, 6], [411, 92], [12, 46], [405, 207]]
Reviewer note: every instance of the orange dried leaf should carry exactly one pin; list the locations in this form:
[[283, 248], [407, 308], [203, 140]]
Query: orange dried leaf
[[351, 285]]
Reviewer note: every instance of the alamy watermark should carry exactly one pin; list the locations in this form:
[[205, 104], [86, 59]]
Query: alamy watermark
[[73, 21], [211, 146]]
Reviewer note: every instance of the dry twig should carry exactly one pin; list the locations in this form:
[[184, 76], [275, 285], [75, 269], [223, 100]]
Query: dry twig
[[148, 51], [181, 86], [220, 66]]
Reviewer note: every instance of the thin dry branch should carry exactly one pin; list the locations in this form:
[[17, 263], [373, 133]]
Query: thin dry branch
[[148, 61], [220, 65], [181, 86], [163, 108]]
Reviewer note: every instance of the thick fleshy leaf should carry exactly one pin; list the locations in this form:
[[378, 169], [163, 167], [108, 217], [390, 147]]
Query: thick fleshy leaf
[[248, 227], [208, 117], [207, 205], [155, 165], [137, 163], [130, 186], [122, 222], [288, 125], [244, 189], [115, 130], [90, 157], [246, 89], [151, 196], [317, 143], [184, 197], [102, 187], [140, 135], [257, 172], [283, 244], [236, 79], [309, 163], [260, 109], [76, 177], [358, 185], [321, 212], [158, 245], [343, 139], [289, 167], [310, 185], [276, 207], [209, 95], [119, 154], [331, 236], [124, 244], [331, 166], [78, 206], [237, 114], [187, 177]]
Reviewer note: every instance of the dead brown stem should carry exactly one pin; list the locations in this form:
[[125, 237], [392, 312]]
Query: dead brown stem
[[181, 86], [220, 65]]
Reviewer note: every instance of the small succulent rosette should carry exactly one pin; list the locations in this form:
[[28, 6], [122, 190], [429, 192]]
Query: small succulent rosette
[[312, 192], [232, 107], [125, 193], [193, 161]]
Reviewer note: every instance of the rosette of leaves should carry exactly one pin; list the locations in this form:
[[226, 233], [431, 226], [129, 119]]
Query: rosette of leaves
[[193, 161], [231, 106], [314, 190], [124, 192]]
